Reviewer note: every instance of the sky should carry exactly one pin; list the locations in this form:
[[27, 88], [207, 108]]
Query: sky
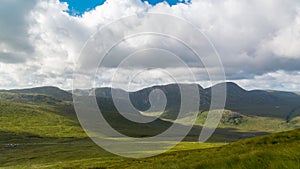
[[257, 41], [78, 7]]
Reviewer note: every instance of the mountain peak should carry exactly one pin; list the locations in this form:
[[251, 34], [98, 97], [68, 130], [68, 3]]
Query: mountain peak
[[51, 91], [230, 86]]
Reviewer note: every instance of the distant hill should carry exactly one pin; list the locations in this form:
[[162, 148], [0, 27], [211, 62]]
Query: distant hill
[[260, 102], [242, 122], [53, 92], [256, 102], [28, 98], [40, 125]]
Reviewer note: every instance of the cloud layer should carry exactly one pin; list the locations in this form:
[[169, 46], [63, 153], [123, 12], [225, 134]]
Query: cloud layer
[[258, 41]]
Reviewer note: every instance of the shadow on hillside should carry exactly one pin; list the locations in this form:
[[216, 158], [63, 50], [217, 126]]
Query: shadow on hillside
[[225, 135]]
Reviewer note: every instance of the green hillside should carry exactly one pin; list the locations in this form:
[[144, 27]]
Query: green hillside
[[39, 134], [276, 151], [42, 115], [54, 92], [242, 122], [31, 117], [23, 122], [41, 130]]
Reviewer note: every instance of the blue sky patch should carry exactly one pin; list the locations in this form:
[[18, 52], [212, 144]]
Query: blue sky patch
[[170, 2], [78, 7]]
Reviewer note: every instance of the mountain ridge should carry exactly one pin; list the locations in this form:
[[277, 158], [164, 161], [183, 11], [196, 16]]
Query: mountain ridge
[[249, 102], [154, 86]]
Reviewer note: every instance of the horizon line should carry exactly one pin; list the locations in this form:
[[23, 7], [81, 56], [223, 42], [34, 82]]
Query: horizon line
[[150, 86]]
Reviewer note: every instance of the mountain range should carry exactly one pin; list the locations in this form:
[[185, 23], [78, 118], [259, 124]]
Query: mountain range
[[265, 103], [246, 114]]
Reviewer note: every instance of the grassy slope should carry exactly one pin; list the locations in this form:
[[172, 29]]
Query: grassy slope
[[244, 123], [38, 131], [70, 154], [257, 123], [278, 151], [33, 122], [281, 150], [54, 139]]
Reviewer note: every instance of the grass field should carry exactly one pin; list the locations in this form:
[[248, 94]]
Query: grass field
[[276, 151], [245, 123], [37, 131], [71, 153], [273, 151], [32, 121]]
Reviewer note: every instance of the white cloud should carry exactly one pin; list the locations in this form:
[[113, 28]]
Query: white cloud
[[255, 39], [286, 41], [280, 80]]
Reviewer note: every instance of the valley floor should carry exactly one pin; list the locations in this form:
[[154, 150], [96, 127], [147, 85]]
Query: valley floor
[[276, 151], [47, 134]]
